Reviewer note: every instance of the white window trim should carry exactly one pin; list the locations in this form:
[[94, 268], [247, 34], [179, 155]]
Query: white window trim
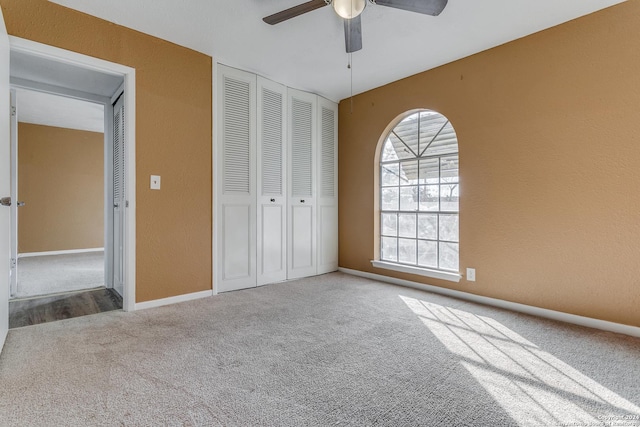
[[427, 272]]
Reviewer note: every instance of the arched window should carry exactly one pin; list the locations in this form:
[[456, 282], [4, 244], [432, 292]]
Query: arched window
[[419, 193]]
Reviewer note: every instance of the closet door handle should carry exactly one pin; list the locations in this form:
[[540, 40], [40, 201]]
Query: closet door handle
[[273, 200], [302, 201]]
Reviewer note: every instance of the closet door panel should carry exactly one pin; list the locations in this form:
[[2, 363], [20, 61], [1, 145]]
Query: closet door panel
[[272, 182], [302, 138], [327, 202], [236, 183], [237, 242], [302, 229], [273, 259]]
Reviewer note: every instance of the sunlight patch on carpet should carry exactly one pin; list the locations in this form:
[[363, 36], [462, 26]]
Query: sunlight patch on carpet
[[530, 384]]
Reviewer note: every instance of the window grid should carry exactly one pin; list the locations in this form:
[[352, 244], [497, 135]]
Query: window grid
[[435, 237]]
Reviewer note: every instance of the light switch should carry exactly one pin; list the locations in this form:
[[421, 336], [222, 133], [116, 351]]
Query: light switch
[[155, 182], [471, 274]]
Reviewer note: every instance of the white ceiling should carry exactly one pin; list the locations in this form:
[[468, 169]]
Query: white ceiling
[[53, 110], [308, 52]]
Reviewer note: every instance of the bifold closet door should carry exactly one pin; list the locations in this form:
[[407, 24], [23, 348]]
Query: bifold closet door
[[119, 195], [327, 199], [236, 186], [301, 234], [272, 182]]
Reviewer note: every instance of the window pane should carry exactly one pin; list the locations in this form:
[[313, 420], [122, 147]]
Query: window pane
[[427, 254], [449, 227], [449, 256], [407, 225], [389, 224], [407, 251], [409, 198], [428, 226], [445, 143], [390, 199], [449, 197], [449, 171], [409, 173], [430, 124], [402, 151], [388, 152], [407, 131], [429, 197], [429, 172], [389, 249], [389, 175]]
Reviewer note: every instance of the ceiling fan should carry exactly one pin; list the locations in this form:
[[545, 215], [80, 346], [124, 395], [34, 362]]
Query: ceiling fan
[[350, 11]]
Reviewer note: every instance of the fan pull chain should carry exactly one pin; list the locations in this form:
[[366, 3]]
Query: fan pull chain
[[350, 67]]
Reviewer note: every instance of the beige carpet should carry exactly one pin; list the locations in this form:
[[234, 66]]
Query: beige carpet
[[329, 350]]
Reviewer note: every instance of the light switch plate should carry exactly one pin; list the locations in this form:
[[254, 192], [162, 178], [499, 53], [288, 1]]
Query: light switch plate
[[155, 182], [471, 274]]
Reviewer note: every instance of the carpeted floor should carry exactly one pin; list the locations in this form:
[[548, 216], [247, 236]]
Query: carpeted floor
[[43, 275], [327, 350]]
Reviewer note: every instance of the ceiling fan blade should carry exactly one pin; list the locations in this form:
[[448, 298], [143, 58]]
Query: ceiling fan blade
[[294, 11], [353, 34], [427, 7]]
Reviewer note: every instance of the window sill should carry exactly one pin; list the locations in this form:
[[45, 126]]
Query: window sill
[[435, 274]]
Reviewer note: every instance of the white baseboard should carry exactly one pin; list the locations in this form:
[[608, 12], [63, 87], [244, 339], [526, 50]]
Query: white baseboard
[[66, 252], [508, 305], [172, 300]]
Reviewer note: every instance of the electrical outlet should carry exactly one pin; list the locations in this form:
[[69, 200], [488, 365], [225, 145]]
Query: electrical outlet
[[471, 274], [155, 182]]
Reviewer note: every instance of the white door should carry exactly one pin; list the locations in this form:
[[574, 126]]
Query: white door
[[119, 195], [236, 180], [5, 180], [301, 244], [327, 200], [272, 193]]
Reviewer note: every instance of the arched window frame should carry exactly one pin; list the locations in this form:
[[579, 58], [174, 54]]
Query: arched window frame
[[418, 155]]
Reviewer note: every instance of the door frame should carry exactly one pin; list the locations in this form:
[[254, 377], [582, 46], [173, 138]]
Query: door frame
[[14, 192], [129, 75]]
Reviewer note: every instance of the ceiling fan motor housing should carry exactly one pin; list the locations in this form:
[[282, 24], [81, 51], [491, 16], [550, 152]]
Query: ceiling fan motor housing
[[349, 9]]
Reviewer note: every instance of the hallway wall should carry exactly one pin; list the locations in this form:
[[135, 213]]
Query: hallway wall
[[61, 181]]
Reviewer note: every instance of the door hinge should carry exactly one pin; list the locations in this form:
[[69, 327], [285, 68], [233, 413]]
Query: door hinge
[[13, 263], [13, 111], [126, 204]]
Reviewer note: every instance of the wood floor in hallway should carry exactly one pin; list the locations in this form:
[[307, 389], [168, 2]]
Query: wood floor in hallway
[[32, 311]]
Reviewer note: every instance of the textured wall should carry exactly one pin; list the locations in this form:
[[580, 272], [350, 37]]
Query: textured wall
[[61, 180], [173, 139], [548, 134]]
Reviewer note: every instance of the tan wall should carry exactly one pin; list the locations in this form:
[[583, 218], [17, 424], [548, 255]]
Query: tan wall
[[173, 139], [61, 181], [548, 135]]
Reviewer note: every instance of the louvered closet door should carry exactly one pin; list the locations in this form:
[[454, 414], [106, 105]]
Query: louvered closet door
[[272, 199], [119, 195], [301, 126], [236, 180], [327, 200]]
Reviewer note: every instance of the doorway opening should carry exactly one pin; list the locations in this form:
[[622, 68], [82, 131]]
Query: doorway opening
[[73, 223]]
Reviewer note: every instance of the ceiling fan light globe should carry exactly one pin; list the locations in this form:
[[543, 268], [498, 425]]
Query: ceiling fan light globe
[[348, 9]]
